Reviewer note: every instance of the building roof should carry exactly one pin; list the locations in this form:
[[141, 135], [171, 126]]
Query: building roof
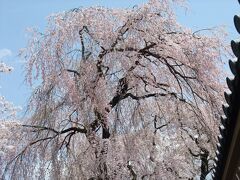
[[227, 161]]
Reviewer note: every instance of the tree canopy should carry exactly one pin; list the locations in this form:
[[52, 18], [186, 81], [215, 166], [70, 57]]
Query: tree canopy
[[121, 94]]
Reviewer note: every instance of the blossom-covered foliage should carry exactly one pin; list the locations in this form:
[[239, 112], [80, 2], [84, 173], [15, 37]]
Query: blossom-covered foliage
[[124, 94], [9, 138], [4, 68], [9, 127], [7, 109]]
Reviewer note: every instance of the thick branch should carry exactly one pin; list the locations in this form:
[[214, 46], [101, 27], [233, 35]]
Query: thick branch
[[134, 175], [76, 129], [159, 127], [73, 71]]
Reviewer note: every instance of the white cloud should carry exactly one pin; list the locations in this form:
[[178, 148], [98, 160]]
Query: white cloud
[[5, 52]]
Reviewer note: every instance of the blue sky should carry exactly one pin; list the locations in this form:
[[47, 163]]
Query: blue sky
[[17, 15]]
